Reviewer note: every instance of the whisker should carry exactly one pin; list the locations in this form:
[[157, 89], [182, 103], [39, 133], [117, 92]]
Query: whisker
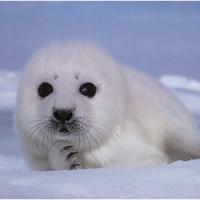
[[32, 130], [39, 131], [84, 132], [99, 131]]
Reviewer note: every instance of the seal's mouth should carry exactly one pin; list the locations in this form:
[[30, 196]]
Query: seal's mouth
[[64, 130]]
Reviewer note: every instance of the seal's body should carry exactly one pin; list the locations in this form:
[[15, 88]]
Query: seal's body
[[78, 108]]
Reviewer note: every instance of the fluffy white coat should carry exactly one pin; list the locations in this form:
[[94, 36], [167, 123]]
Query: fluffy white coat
[[132, 120]]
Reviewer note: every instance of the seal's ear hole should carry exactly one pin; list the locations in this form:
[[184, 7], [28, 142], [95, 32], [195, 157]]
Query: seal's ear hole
[[45, 89], [88, 90]]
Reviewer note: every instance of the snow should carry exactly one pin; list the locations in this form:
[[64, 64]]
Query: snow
[[159, 38], [8, 87], [177, 180], [187, 89], [168, 181]]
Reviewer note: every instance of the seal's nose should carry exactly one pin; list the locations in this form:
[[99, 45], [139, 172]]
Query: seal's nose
[[63, 115]]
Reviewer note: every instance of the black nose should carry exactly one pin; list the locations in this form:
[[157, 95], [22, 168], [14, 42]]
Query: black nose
[[63, 115]]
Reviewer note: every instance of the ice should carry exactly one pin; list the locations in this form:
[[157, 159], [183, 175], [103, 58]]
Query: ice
[[178, 180]]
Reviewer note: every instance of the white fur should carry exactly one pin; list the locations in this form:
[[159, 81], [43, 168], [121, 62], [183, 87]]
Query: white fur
[[131, 121]]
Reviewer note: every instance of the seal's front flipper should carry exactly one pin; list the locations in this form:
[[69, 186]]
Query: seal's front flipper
[[73, 158], [63, 157]]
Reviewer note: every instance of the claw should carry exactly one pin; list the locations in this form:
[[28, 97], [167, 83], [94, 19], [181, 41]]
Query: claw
[[74, 166], [70, 155], [66, 148]]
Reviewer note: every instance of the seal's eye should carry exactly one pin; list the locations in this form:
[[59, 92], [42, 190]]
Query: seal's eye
[[88, 89], [45, 89]]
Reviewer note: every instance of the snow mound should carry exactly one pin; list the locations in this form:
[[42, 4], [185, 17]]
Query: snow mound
[[188, 91], [180, 82], [8, 87]]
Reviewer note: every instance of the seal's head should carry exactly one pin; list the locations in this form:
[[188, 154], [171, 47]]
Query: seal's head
[[70, 92]]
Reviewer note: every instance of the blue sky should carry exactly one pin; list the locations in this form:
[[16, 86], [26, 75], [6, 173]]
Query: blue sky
[[154, 37]]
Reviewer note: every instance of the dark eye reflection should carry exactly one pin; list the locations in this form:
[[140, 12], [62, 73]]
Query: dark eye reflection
[[45, 89], [88, 90]]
